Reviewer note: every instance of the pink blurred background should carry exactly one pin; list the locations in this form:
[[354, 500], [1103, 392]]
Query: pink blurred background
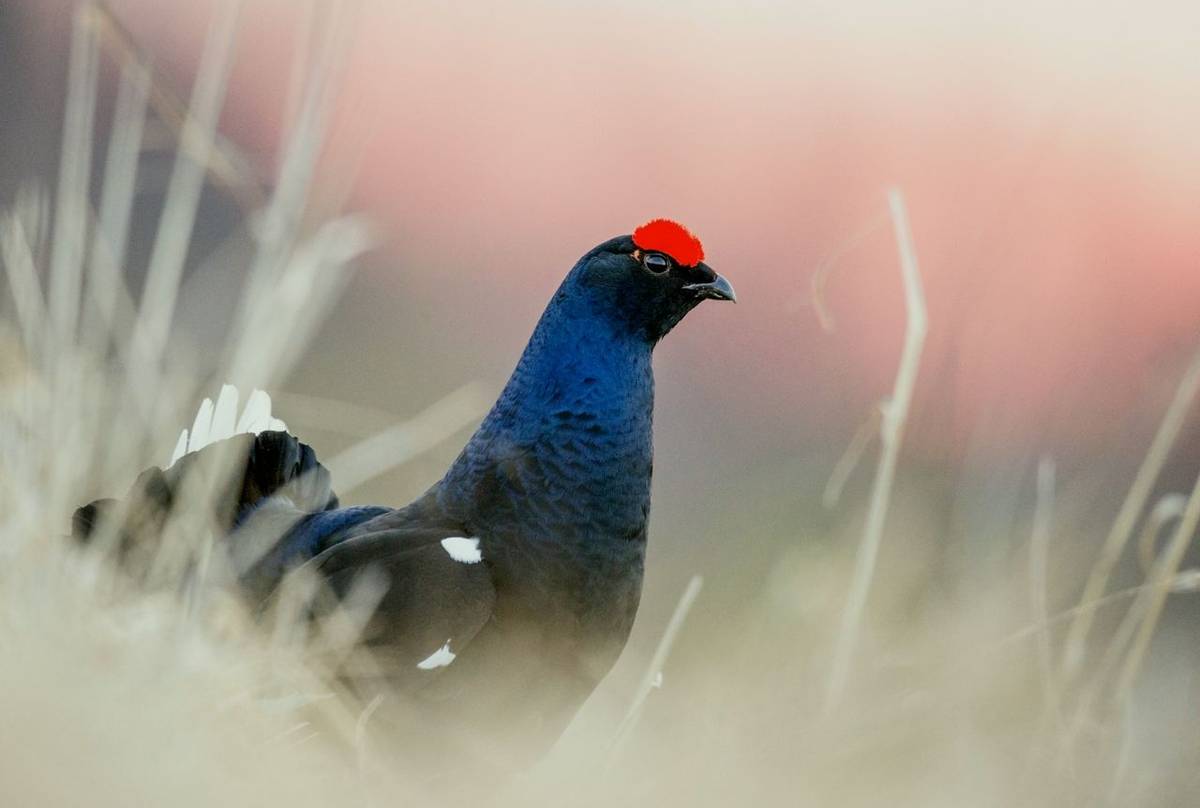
[[1047, 152], [1047, 155]]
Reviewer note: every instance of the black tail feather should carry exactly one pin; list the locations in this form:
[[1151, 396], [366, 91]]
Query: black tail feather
[[269, 464]]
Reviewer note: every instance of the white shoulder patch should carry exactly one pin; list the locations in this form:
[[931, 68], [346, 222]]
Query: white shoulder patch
[[463, 550], [216, 422], [438, 659]]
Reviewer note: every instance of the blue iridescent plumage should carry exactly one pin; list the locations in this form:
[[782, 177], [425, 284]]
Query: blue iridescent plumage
[[553, 489]]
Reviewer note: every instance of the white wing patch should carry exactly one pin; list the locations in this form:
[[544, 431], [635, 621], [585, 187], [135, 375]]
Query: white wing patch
[[463, 550], [216, 422], [438, 659]]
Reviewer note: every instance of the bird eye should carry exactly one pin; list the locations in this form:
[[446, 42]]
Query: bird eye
[[656, 263]]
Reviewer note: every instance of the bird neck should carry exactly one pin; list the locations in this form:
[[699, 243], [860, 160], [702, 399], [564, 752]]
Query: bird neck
[[580, 363], [573, 425]]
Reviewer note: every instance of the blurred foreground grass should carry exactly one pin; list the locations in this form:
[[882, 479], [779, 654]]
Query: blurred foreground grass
[[961, 691]]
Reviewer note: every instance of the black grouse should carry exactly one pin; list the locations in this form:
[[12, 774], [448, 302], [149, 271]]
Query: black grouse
[[511, 584]]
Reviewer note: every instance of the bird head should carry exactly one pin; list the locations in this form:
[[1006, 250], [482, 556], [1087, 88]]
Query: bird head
[[648, 281]]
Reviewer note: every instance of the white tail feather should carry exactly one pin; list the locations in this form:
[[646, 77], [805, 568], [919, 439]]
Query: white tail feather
[[216, 422], [257, 415], [224, 414], [201, 426], [180, 448]]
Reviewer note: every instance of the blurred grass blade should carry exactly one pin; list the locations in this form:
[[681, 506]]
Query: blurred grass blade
[[278, 226], [183, 197], [895, 414], [1161, 582], [71, 201], [373, 456], [850, 458], [17, 254], [653, 676], [106, 283], [1131, 508]]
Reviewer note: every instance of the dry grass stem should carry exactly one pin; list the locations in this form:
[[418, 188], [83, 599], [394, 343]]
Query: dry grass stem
[[654, 673], [895, 414], [1131, 508]]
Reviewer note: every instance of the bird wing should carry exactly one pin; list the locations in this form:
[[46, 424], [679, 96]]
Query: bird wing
[[428, 591], [434, 593]]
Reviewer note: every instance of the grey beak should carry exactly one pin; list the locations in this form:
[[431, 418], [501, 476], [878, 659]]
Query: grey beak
[[717, 289]]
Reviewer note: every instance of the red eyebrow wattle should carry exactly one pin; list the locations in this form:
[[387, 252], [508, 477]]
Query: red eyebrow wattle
[[672, 238]]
